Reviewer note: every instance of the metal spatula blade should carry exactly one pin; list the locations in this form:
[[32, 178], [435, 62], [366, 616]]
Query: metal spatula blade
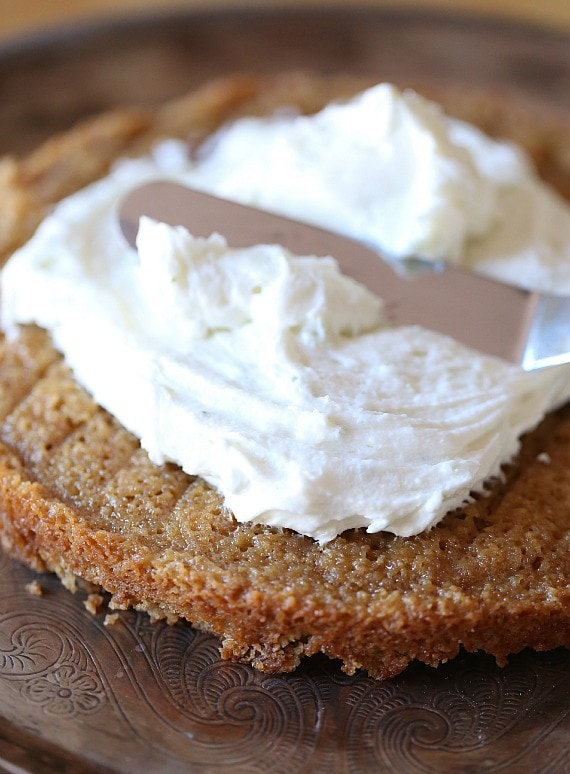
[[529, 329]]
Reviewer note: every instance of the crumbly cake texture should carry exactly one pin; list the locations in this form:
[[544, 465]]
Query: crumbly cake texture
[[80, 498]]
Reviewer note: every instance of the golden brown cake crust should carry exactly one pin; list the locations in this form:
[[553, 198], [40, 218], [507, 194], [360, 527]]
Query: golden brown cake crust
[[79, 497]]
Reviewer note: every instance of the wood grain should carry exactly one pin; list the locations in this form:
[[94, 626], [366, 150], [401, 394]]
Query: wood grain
[[31, 15]]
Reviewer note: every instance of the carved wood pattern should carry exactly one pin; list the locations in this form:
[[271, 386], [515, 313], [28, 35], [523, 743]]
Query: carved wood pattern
[[138, 694]]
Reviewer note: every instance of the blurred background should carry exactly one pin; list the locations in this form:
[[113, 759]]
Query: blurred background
[[62, 61], [21, 16]]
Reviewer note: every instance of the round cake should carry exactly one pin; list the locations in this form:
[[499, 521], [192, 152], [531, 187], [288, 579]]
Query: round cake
[[79, 497]]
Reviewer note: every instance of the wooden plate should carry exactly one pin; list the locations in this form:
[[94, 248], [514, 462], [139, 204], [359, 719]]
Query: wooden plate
[[79, 696]]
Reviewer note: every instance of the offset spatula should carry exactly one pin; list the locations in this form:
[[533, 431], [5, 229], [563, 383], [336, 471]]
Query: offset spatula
[[529, 329]]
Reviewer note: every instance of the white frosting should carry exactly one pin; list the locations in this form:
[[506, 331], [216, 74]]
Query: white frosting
[[391, 169], [272, 376]]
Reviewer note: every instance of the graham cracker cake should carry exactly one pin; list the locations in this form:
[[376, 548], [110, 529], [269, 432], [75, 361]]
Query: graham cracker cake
[[80, 498]]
